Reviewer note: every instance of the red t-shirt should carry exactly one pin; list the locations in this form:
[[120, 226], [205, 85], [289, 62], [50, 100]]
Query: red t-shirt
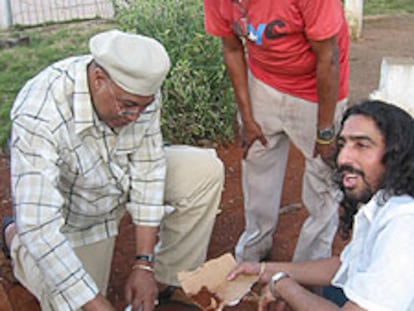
[[281, 55]]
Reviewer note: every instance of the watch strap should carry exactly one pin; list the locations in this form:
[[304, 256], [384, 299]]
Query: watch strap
[[145, 257], [325, 134]]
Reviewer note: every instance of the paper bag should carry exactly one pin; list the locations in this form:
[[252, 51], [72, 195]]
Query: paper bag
[[209, 288]]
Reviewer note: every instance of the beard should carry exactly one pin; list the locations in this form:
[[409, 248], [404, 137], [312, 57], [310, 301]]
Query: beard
[[353, 196], [358, 197]]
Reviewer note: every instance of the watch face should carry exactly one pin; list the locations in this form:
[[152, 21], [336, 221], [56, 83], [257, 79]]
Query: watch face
[[145, 257], [326, 134]]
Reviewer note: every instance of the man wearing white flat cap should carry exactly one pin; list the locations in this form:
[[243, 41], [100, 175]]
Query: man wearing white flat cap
[[86, 146]]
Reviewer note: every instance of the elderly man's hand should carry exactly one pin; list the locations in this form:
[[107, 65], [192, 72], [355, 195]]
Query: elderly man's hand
[[99, 303], [141, 290]]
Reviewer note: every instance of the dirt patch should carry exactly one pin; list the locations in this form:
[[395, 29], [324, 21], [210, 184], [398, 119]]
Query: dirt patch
[[381, 36]]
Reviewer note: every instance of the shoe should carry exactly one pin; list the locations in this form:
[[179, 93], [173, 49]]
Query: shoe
[[175, 295], [7, 220]]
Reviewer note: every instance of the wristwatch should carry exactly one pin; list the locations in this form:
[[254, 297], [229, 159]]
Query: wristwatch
[[145, 257], [326, 134], [276, 278]]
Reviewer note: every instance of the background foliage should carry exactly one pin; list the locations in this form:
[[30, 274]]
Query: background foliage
[[197, 94]]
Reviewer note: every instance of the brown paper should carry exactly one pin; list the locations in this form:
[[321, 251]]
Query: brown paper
[[208, 286]]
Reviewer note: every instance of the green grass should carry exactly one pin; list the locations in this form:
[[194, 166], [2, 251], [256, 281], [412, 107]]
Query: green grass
[[379, 7], [47, 45]]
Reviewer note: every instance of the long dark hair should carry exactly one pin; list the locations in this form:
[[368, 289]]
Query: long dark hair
[[397, 128]]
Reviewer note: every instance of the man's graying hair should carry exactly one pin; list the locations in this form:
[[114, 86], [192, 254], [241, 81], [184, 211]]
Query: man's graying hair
[[397, 128]]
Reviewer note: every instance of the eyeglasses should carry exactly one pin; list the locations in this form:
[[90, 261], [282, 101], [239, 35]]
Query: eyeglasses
[[240, 23], [127, 107]]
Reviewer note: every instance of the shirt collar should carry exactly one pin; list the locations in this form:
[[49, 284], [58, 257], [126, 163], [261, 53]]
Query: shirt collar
[[370, 209], [83, 112]]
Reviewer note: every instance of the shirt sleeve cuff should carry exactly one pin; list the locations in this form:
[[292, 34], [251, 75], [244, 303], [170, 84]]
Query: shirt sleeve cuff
[[77, 295]]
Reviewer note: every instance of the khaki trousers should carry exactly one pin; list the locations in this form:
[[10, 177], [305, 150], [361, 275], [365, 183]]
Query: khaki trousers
[[195, 179], [96, 259], [284, 119]]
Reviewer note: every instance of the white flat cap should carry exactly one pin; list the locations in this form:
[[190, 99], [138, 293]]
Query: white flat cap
[[136, 63]]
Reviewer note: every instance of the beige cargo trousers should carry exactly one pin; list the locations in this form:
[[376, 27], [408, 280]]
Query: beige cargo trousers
[[284, 119]]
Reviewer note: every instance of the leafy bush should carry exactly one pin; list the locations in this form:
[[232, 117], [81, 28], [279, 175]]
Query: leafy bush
[[197, 97]]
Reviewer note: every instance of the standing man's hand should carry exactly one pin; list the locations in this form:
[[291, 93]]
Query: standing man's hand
[[251, 131], [327, 153], [141, 290]]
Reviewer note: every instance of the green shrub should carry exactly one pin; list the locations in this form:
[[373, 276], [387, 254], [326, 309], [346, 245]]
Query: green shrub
[[197, 97]]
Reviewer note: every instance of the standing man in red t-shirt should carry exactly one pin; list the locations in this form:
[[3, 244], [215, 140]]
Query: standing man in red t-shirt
[[291, 86]]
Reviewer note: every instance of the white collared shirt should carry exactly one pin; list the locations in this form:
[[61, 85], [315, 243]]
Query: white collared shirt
[[376, 269]]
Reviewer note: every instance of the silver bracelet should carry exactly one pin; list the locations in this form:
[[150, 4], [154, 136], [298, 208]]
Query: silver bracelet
[[276, 278], [143, 267]]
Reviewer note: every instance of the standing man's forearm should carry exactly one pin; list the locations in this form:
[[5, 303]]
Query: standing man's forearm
[[327, 76], [234, 58]]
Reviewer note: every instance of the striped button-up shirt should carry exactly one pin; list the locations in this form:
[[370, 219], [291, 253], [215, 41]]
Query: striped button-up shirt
[[73, 177]]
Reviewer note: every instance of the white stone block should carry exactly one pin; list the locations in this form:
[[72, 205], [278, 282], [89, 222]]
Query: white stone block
[[396, 84], [354, 13]]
